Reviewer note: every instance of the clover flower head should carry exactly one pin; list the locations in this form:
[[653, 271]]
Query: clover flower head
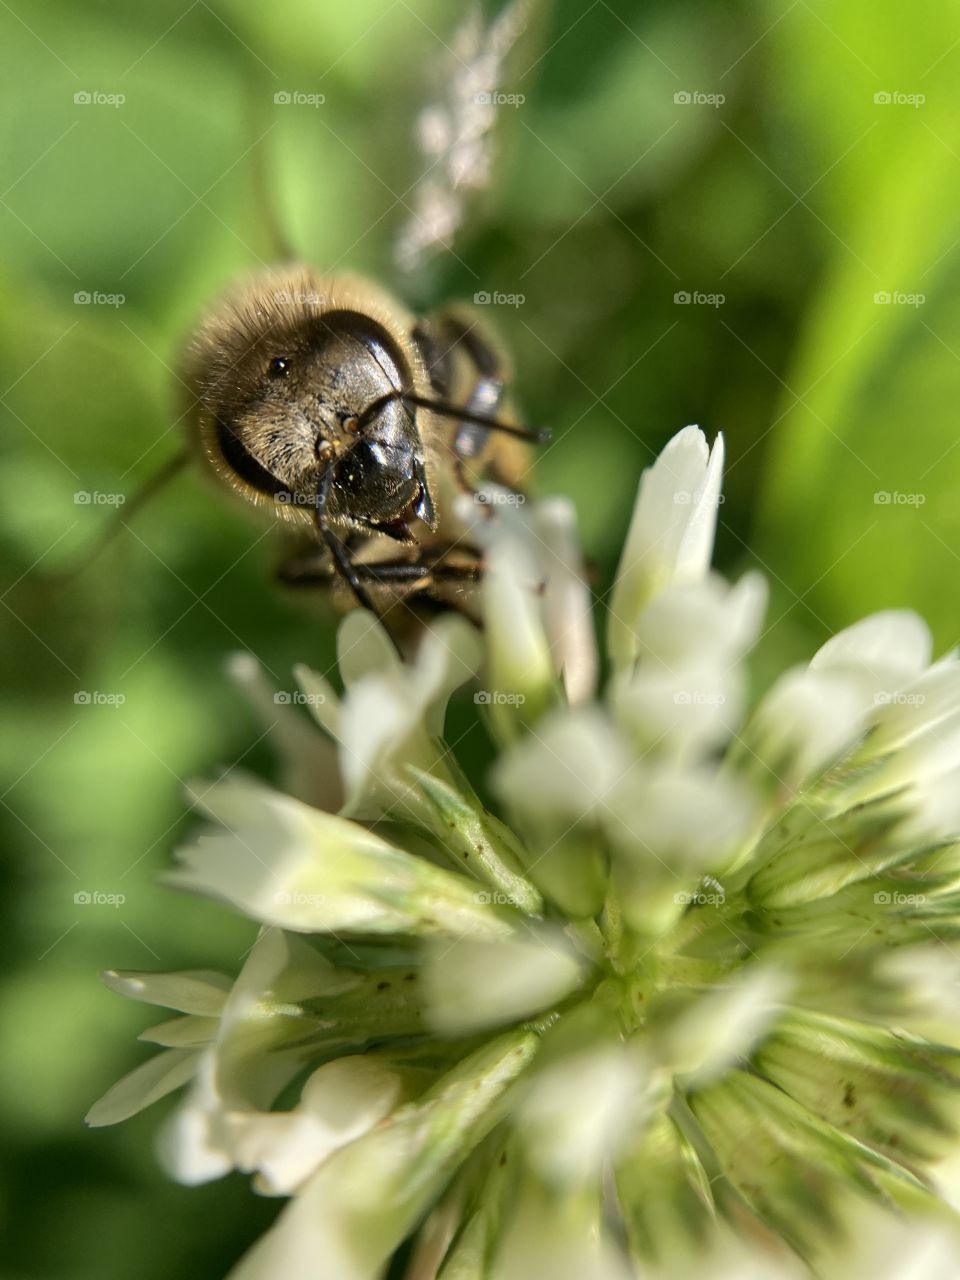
[[684, 1005]]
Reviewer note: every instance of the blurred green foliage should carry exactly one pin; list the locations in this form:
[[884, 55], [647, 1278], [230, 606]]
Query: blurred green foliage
[[799, 198]]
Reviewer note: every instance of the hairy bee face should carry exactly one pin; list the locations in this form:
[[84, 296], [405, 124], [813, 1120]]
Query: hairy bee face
[[303, 399]]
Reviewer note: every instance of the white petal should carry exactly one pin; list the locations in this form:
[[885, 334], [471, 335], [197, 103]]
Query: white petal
[[885, 1246], [390, 719], [257, 1052], [687, 713], [361, 1203], [706, 621], [322, 699], [671, 533], [144, 1085], [308, 760], [681, 819], [930, 699], [891, 647], [518, 649], [926, 771], [188, 1032], [564, 770], [382, 725], [449, 655], [284, 863], [805, 721], [563, 1237], [200, 991], [364, 648], [723, 1026], [471, 984], [340, 1101], [567, 602], [583, 1109]]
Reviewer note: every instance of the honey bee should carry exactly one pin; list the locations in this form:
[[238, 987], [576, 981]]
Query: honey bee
[[324, 402]]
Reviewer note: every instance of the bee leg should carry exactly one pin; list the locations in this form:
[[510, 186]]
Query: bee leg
[[449, 333], [312, 568], [341, 556], [426, 582], [306, 567], [403, 571], [348, 571]]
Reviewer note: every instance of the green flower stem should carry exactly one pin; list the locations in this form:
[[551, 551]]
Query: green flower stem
[[477, 842]]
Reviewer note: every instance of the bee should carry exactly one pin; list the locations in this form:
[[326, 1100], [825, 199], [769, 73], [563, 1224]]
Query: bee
[[322, 401]]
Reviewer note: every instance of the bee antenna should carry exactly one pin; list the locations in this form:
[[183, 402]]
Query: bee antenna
[[535, 435], [118, 521]]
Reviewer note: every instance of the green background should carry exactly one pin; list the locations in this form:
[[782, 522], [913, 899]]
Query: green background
[[799, 198]]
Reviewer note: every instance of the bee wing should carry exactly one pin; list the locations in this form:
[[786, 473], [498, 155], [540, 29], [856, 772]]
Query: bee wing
[[456, 130]]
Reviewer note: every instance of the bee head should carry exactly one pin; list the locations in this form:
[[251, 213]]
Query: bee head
[[301, 400]]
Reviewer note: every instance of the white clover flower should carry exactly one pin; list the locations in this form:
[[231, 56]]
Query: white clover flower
[[686, 1006]]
